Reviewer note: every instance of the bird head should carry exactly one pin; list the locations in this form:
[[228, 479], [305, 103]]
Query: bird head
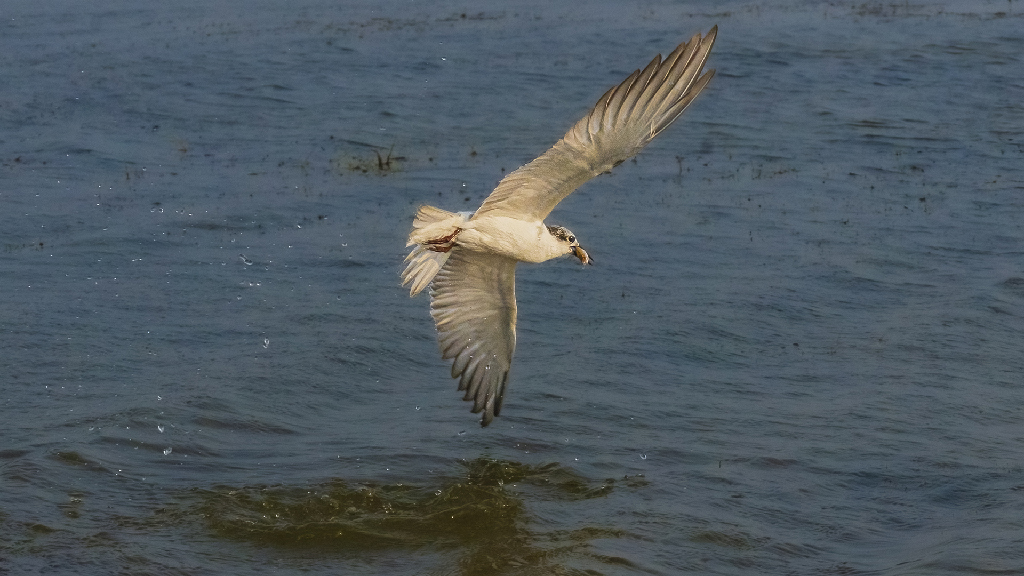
[[572, 246]]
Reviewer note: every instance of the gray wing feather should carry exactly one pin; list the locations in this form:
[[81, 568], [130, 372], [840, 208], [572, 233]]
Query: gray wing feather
[[473, 302], [622, 122]]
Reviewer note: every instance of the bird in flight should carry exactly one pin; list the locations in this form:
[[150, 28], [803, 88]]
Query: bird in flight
[[469, 259]]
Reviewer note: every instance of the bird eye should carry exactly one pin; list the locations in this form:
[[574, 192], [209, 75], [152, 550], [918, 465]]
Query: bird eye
[[572, 238]]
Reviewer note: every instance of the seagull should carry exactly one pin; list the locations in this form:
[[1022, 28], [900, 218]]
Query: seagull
[[469, 259]]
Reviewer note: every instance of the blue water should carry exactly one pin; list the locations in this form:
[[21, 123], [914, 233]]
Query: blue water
[[800, 351]]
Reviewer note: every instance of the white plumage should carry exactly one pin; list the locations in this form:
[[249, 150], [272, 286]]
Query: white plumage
[[469, 260]]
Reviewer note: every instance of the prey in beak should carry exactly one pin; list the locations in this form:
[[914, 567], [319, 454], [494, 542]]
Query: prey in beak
[[582, 255]]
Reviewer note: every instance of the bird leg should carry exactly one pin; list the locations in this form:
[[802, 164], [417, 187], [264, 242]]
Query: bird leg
[[444, 243]]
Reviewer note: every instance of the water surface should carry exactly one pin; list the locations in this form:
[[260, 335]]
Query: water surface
[[800, 351]]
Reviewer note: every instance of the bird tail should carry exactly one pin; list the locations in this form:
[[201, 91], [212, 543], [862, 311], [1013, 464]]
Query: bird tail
[[430, 225]]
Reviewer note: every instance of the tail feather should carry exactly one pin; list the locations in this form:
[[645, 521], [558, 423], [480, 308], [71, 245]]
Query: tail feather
[[423, 266], [430, 223], [428, 215]]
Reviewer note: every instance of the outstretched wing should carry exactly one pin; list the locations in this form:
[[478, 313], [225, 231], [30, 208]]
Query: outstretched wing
[[473, 302], [622, 122]]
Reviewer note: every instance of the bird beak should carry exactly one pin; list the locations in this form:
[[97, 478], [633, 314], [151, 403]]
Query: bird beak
[[582, 255]]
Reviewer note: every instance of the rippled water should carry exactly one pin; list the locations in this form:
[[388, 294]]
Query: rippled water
[[800, 351]]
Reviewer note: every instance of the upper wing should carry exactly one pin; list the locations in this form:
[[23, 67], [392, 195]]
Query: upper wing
[[473, 302], [622, 122]]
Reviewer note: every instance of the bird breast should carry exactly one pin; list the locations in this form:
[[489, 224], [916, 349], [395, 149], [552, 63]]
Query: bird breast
[[517, 239]]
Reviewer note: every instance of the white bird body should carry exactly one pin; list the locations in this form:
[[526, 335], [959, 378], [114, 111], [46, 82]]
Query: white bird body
[[520, 240], [469, 259]]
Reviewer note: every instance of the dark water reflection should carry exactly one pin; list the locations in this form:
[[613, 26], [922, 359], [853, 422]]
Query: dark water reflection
[[475, 523], [481, 517]]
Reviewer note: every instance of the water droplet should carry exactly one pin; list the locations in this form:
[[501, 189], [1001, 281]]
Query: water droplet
[[161, 429], [643, 456], [168, 451], [266, 342]]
